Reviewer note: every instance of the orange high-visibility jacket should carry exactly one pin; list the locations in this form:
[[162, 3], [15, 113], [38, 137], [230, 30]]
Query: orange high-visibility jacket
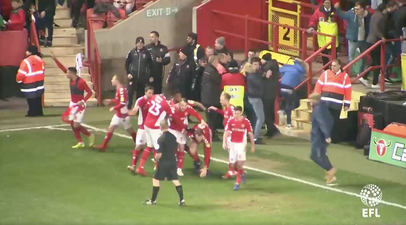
[[335, 89], [31, 76]]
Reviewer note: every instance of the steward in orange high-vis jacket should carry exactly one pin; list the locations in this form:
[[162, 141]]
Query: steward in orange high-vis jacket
[[31, 77], [335, 89]]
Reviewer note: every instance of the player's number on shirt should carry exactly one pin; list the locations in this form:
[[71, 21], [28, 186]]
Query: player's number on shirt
[[155, 108]]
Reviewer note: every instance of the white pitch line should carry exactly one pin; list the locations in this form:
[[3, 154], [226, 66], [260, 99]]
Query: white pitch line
[[272, 173], [33, 128]]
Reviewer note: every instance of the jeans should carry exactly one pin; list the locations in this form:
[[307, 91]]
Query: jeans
[[376, 60], [291, 103], [352, 50], [319, 156], [249, 112], [258, 106]]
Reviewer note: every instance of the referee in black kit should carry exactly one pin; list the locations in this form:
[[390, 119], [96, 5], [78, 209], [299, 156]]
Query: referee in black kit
[[167, 164]]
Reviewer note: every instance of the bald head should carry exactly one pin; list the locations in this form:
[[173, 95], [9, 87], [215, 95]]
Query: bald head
[[164, 125]]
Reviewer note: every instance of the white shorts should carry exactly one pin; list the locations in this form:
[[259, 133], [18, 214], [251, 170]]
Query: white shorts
[[141, 137], [180, 136], [124, 121], [76, 116], [152, 136], [236, 152]]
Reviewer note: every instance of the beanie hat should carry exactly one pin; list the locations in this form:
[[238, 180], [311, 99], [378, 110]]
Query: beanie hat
[[184, 51], [139, 39], [233, 64], [33, 50], [267, 57], [221, 41], [193, 36]]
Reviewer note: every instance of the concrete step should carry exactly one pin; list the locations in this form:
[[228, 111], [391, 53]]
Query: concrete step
[[61, 87], [62, 51], [65, 102], [303, 114], [53, 70], [61, 78], [65, 40], [302, 124], [294, 132], [67, 61], [63, 23], [62, 13], [64, 31]]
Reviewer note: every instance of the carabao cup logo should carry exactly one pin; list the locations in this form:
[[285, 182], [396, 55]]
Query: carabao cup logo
[[371, 195], [381, 146]]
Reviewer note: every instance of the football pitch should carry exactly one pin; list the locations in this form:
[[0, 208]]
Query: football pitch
[[44, 181]]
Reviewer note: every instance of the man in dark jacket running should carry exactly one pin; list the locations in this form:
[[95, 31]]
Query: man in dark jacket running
[[138, 66]]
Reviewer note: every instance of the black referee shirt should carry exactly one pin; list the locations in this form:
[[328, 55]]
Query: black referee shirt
[[168, 147]]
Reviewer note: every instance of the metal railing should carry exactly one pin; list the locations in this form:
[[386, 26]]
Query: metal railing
[[93, 59], [382, 67]]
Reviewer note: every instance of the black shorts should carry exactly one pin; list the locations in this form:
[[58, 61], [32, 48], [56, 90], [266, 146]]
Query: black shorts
[[166, 170]]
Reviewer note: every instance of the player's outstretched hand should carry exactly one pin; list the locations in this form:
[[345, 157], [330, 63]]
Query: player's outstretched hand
[[203, 172], [252, 148], [111, 109], [106, 102], [212, 108]]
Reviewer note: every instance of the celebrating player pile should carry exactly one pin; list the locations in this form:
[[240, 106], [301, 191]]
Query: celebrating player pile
[[121, 116], [237, 128], [141, 107]]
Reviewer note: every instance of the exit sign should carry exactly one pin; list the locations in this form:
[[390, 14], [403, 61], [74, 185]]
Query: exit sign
[[158, 12]]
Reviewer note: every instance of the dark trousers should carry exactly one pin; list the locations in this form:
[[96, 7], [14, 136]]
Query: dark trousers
[[157, 84], [136, 88], [376, 60], [291, 102], [34, 106], [212, 118], [78, 7], [335, 133], [326, 52], [46, 22], [197, 85], [249, 112], [319, 154], [269, 110]]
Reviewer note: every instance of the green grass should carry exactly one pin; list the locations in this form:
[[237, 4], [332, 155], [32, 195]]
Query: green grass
[[44, 181]]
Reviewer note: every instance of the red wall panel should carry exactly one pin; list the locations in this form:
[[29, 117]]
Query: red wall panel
[[13, 45], [208, 21]]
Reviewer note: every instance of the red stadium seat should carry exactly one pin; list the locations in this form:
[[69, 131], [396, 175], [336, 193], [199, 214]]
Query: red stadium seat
[[112, 19], [13, 45], [98, 20]]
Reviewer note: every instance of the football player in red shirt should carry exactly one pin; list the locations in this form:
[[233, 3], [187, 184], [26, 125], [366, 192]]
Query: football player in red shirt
[[121, 116], [177, 97], [140, 106], [182, 110], [77, 106], [200, 133], [237, 128], [227, 114]]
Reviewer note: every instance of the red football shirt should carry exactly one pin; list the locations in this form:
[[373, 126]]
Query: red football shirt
[[158, 109], [239, 129], [142, 111], [121, 102], [183, 116], [206, 141], [227, 113]]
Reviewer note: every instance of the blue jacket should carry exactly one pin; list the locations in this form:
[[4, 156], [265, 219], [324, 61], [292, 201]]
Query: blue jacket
[[322, 124], [292, 75], [352, 24]]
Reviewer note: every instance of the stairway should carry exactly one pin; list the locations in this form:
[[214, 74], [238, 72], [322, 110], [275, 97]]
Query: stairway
[[65, 46], [301, 117]]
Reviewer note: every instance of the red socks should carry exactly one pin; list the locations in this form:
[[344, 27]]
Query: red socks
[[84, 131], [230, 169], [181, 157], [134, 136], [239, 175], [136, 156], [107, 139], [144, 157], [195, 157]]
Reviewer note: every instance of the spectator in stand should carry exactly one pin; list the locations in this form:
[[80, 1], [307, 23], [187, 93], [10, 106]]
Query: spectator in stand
[[400, 19], [46, 10], [233, 77], [138, 66], [335, 89], [160, 58], [127, 5], [393, 49], [77, 8], [325, 20], [255, 92], [5, 6], [251, 53], [211, 91], [377, 33], [222, 66], [220, 45], [195, 60], [209, 51], [270, 68], [17, 16], [358, 20], [179, 74], [292, 76]]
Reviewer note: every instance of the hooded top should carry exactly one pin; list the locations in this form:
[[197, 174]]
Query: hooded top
[[292, 75]]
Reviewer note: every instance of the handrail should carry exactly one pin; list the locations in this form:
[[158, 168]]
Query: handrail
[[94, 61]]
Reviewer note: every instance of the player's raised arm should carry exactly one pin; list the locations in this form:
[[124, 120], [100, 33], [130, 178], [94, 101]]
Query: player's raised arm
[[196, 104], [58, 63], [219, 111]]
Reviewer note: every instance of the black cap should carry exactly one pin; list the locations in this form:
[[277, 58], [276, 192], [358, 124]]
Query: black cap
[[139, 39], [193, 36], [233, 64], [184, 51], [267, 57], [33, 49]]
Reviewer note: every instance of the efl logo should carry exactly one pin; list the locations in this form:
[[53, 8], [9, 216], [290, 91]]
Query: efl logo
[[371, 196], [381, 146]]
